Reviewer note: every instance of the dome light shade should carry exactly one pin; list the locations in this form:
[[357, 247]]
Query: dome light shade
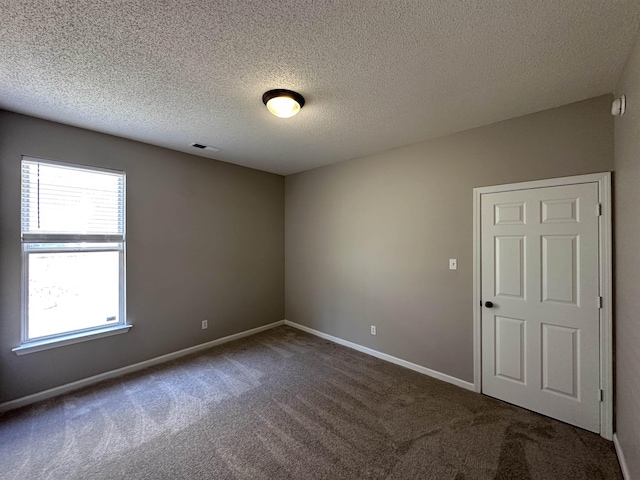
[[283, 103]]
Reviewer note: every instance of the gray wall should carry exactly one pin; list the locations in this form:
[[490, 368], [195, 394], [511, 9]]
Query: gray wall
[[205, 241], [367, 241], [627, 281]]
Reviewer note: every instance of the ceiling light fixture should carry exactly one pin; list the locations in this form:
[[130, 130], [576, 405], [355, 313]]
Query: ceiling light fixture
[[283, 103]]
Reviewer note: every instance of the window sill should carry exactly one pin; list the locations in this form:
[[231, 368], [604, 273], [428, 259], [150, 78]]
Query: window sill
[[39, 345]]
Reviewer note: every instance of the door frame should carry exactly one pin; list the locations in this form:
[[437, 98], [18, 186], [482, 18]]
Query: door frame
[[606, 279]]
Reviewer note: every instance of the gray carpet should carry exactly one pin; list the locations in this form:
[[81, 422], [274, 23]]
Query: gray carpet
[[286, 405]]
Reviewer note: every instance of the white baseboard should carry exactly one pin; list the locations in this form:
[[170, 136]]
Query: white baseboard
[[383, 356], [621, 460], [69, 387]]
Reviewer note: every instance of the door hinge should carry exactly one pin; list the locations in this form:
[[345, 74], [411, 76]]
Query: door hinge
[[601, 395], [599, 210], [599, 302]]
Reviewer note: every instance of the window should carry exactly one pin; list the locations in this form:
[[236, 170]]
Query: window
[[73, 250]]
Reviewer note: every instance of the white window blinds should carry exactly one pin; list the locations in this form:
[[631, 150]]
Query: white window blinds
[[65, 202]]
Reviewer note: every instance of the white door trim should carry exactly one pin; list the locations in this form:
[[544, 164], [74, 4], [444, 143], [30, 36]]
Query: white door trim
[[606, 313]]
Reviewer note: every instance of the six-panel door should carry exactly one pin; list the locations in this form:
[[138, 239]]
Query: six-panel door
[[540, 340]]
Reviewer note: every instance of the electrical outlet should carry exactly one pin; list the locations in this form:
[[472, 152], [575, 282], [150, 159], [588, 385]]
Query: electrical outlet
[[453, 264], [373, 330], [205, 324]]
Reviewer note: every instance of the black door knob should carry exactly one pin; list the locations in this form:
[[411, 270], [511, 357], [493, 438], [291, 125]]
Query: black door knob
[[488, 304]]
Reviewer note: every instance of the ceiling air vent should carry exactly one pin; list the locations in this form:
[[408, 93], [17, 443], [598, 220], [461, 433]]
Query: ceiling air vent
[[202, 146]]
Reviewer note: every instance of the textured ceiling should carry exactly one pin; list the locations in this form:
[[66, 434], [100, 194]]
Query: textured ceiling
[[376, 74]]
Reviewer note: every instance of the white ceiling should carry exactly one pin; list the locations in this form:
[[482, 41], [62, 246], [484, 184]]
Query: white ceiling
[[376, 74]]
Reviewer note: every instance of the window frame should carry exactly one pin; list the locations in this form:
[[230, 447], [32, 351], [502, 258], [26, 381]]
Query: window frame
[[54, 243]]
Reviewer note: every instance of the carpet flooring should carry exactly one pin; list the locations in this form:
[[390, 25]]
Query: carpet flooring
[[283, 404]]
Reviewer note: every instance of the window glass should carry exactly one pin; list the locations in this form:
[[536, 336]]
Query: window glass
[[73, 243]]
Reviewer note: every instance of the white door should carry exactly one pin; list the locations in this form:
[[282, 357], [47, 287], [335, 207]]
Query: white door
[[540, 270]]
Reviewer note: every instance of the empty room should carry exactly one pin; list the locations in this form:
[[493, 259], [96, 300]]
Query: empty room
[[330, 239]]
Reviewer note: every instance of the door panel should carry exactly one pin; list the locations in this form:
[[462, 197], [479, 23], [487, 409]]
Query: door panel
[[563, 210], [560, 269], [510, 349], [509, 258], [540, 268], [509, 214], [560, 360]]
